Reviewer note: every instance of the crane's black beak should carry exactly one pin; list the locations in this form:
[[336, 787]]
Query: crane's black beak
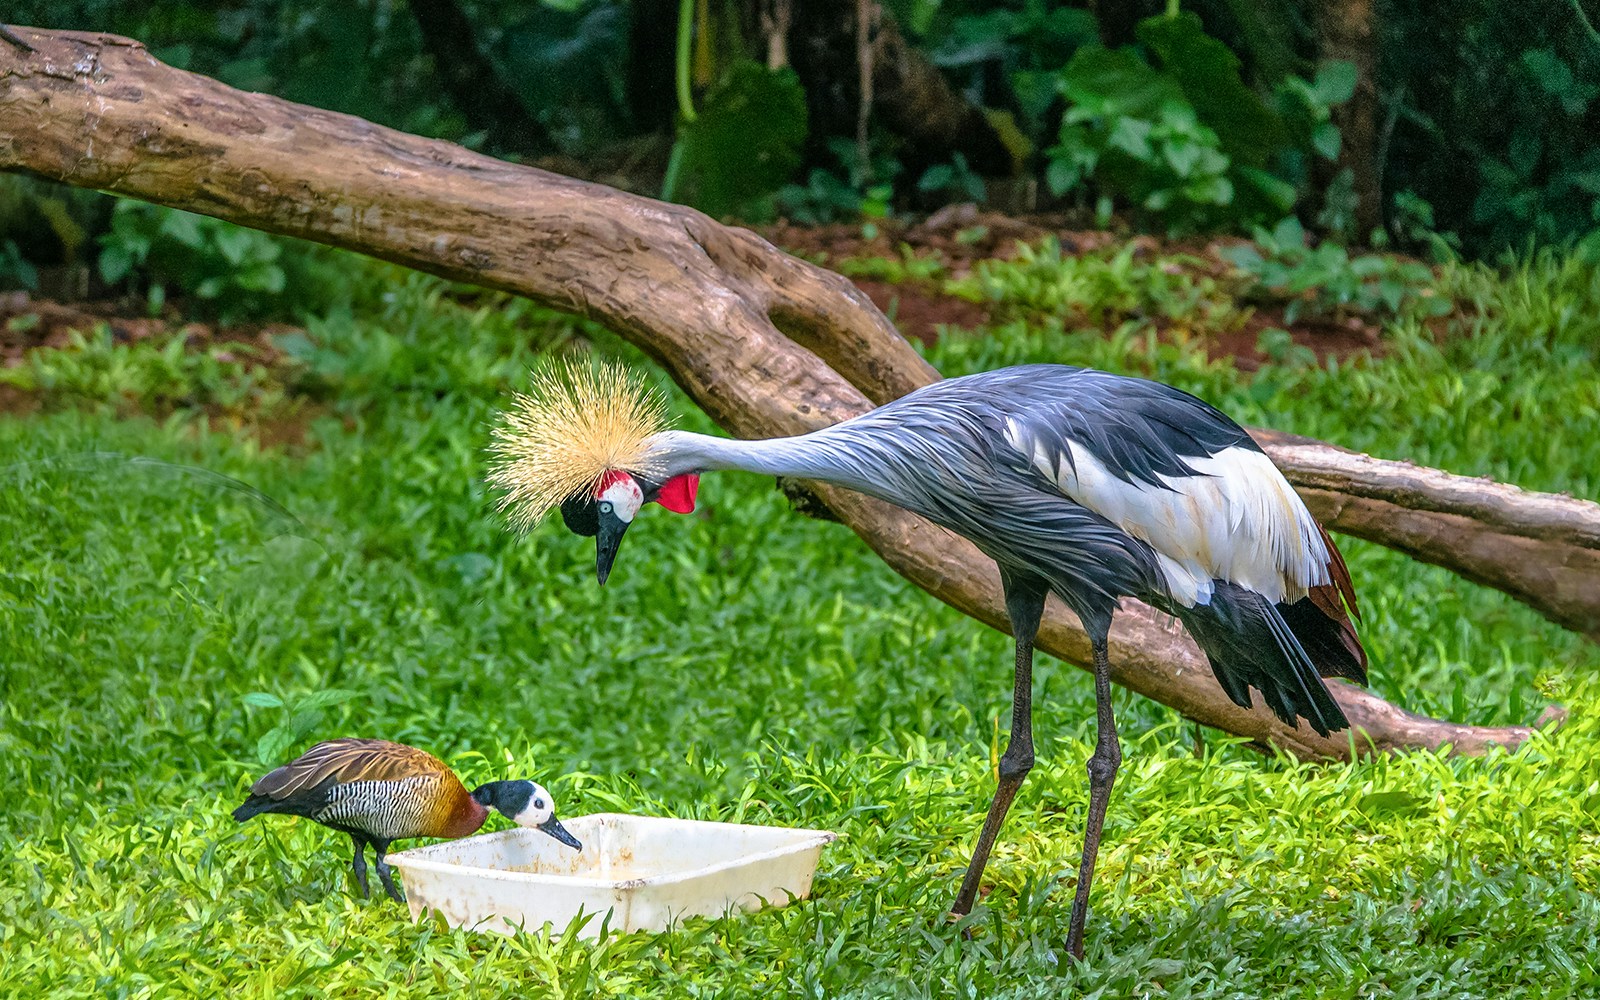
[[583, 516], [553, 827], [607, 540]]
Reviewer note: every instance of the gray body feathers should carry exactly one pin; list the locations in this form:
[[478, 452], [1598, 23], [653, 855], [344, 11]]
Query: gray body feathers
[[1027, 462]]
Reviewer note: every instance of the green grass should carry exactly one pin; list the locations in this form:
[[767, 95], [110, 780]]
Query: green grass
[[745, 664]]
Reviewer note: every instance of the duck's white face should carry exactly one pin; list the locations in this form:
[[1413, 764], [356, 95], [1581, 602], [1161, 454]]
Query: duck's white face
[[538, 811]]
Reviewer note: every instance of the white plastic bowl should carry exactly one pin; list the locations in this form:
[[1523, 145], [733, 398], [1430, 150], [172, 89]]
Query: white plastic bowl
[[647, 871]]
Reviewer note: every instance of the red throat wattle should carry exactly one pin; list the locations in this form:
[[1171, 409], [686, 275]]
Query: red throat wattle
[[678, 493]]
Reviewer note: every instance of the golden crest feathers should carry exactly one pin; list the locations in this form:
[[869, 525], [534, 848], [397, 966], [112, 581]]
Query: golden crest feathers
[[577, 422]]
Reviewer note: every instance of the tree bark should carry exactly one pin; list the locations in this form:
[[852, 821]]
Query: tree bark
[[1540, 548], [1348, 30], [766, 343]]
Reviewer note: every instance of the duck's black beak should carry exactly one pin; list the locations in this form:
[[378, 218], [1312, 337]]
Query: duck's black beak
[[607, 540], [553, 827]]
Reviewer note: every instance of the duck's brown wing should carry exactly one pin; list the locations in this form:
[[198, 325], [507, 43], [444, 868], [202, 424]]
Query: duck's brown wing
[[345, 760]]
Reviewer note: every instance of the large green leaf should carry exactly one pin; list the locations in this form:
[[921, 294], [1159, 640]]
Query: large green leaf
[[1556, 78], [745, 142], [1208, 72], [1115, 83]]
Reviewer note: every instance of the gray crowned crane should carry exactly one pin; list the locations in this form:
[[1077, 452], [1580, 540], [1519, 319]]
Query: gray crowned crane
[[1076, 482]]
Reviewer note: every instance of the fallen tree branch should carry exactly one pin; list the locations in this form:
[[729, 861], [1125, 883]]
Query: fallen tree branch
[[1540, 548], [766, 343]]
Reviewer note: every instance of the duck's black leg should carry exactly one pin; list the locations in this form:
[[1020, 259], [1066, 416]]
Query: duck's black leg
[[380, 848], [359, 866], [1025, 605]]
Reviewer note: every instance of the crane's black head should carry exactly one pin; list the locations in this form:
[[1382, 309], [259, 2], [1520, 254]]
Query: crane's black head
[[527, 804], [606, 514]]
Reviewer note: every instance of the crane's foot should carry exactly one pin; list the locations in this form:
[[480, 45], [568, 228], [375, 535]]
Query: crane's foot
[[958, 913]]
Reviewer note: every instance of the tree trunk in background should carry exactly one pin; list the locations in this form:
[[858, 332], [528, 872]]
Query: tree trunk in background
[[652, 63], [766, 343], [1118, 19], [474, 85], [1348, 29], [910, 96]]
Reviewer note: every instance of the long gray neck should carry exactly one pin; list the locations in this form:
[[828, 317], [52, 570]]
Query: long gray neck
[[808, 456]]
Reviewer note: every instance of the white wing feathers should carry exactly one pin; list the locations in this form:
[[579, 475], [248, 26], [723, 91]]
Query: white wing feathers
[[1235, 519]]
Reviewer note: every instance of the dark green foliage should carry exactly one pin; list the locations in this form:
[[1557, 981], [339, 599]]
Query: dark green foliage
[[1132, 131], [1180, 136], [1208, 73], [1486, 111], [1547, 187], [1010, 53], [1495, 116], [361, 56], [745, 140], [212, 260], [1325, 281], [227, 271], [52, 221], [367, 57], [568, 63], [850, 192], [15, 270], [955, 178]]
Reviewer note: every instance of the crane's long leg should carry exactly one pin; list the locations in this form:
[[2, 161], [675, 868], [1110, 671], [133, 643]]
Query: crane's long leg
[[1025, 605], [359, 866], [1103, 766]]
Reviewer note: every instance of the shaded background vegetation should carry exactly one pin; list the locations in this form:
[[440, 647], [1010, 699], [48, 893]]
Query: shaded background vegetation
[[1458, 127]]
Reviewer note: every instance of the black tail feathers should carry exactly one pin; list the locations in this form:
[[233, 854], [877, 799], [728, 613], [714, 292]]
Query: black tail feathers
[[1250, 643], [1330, 642]]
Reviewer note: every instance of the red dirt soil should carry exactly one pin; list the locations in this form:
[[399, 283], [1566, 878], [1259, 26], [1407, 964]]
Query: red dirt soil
[[27, 323], [956, 237], [961, 235]]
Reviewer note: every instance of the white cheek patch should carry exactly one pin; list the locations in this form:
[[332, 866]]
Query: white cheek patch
[[538, 810], [625, 498], [527, 817]]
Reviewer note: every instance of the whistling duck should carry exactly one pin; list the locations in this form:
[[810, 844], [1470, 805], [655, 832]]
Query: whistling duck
[[378, 791]]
